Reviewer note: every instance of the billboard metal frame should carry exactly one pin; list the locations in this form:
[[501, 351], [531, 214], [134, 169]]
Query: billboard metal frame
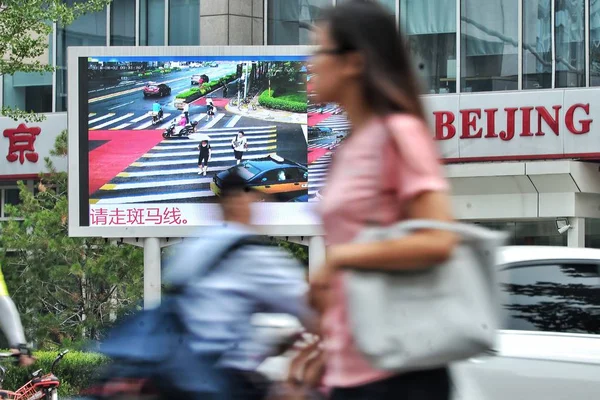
[[313, 228]]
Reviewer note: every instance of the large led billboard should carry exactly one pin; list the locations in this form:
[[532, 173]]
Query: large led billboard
[[152, 131]]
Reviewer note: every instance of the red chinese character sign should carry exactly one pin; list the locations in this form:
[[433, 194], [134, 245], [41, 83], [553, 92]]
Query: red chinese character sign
[[21, 143]]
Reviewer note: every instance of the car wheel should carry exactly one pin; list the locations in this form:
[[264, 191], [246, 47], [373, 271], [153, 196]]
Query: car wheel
[[145, 94]]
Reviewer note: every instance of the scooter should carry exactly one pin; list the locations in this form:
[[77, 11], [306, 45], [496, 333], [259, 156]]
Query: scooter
[[172, 130], [157, 117]]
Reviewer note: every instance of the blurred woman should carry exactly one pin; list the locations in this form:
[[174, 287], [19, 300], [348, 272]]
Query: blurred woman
[[387, 171]]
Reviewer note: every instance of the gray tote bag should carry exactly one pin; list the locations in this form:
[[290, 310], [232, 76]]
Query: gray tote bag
[[415, 320]]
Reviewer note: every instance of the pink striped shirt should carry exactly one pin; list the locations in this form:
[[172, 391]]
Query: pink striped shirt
[[374, 174]]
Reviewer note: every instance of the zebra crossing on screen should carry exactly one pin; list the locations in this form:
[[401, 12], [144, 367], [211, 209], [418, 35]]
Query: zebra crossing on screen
[[317, 175], [143, 120], [169, 171]]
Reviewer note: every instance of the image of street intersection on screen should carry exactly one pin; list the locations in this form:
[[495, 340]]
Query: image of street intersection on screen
[[130, 160], [328, 126]]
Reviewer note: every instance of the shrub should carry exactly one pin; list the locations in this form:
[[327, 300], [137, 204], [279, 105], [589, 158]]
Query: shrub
[[187, 93], [76, 371], [267, 100]]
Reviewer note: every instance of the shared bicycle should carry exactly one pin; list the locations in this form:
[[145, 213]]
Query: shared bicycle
[[40, 387]]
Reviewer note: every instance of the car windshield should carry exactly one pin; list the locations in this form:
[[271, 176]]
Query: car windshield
[[248, 171]]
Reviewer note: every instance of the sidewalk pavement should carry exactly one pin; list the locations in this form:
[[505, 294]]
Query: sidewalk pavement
[[270, 115]]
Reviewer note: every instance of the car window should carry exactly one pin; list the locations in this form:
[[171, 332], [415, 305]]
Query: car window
[[248, 171], [272, 176], [552, 297]]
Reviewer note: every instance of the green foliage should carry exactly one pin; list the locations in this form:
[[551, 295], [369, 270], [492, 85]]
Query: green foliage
[[293, 97], [285, 74], [298, 251], [67, 289], [187, 93], [205, 87], [76, 371], [267, 100], [25, 26]]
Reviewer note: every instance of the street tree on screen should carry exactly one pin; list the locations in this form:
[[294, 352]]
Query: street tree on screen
[[25, 28], [68, 290]]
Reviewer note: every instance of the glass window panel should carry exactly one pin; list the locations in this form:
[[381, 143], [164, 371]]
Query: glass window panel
[[184, 22], [539, 233], [389, 4], [152, 22], [551, 298], [594, 42], [290, 21], [122, 23], [87, 30], [11, 196], [592, 233], [430, 28], [569, 33], [537, 44], [28, 96], [489, 32], [507, 227]]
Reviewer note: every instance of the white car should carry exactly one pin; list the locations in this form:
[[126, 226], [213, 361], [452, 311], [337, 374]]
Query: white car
[[549, 347]]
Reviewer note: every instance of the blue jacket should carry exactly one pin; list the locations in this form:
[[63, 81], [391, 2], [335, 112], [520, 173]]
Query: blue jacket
[[217, 307]]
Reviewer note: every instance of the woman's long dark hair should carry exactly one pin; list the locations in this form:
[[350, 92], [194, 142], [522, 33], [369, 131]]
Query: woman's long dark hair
[[389, 82]]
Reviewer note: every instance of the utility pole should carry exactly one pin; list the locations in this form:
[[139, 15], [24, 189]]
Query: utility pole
[[246, 80]]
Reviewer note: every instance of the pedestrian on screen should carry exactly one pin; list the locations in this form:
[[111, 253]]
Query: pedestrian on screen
[[204, 157], [186, 112], [225, 91], [362, 64], [239, 145], [210, 109]]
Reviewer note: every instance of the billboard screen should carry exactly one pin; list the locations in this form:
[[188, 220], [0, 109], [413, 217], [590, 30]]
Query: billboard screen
[[153, 133]]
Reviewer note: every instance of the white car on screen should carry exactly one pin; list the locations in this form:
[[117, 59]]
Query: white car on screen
[[549, 347]]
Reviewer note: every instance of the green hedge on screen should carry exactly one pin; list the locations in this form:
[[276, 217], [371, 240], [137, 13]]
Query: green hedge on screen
[[204, 88], [187, 93], [267, 99], [76, 371]]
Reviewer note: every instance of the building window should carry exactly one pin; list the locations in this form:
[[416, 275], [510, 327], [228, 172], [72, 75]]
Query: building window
[[8, 195], [389, 4], [551, 297], [184, 22], [594, 43], [592, 233], [489, 34], [87, 30], [122, 23], [569, 33], [290, 21], [529, 233], [430, 27], [537, 44], [28, 92], [152, 22]]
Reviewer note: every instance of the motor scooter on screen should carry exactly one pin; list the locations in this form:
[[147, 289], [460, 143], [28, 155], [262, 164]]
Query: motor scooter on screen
[[173, 130]]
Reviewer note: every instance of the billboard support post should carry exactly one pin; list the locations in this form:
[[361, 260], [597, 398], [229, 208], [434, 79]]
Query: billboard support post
[[152, 275], [316, 253]]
